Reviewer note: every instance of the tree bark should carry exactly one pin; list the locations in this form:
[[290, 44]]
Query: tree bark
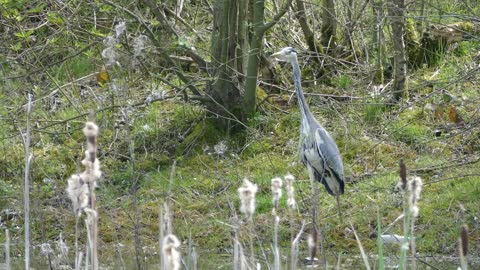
[[329, 26], [396, 9], [226, 61], [259, 29], [254, 57], [347, 32], [377, 7], [307, 31]]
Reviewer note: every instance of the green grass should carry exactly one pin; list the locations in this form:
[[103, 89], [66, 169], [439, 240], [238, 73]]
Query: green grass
[[373, 112], [205, 183], [74, 68]]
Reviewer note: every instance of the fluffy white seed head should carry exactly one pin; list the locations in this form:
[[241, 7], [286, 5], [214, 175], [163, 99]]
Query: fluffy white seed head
[[92, 169], [139, 45], [311, 243], [120, 28], [109, 42], [289, 178], [90, 129], [61, 247], [171, 254], [291, 202], [92, 215], [276, 190], [415, 189], [415, 186], [46, 249], [247, 194], [220, 148], [110, 56], [77, 191]]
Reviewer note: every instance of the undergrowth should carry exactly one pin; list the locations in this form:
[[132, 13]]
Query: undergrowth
[[372, 135]]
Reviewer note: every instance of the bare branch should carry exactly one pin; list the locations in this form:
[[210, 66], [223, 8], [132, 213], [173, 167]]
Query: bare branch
[[278, 16], [158, 46]]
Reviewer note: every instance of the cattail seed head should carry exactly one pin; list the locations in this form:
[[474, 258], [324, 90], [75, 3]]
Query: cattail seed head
[[90, 129], [312, 244], [415, 188], [403, 174], [289, 178], [247, 194], [276, 191], [77, 191], [464, 240], [171, 254], [291, 203], [90, 162]]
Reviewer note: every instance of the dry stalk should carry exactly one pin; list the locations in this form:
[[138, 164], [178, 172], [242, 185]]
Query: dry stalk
[[7, 250], [463, 246], [362, 251], [81, 191], [294, 248], [26, 187]]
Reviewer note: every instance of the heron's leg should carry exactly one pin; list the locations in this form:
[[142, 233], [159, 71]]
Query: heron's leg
[[315, 211], [339, 208]]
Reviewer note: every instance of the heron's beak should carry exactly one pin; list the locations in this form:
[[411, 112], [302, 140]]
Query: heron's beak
[[277, 56]]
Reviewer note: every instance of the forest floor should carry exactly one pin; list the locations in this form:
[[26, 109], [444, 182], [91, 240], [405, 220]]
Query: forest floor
[[436, 132]]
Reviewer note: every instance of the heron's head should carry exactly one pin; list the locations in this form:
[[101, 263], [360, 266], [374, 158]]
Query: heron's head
[[287, 54]]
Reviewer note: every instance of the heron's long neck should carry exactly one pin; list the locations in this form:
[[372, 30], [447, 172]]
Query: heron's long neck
[[297, 80]]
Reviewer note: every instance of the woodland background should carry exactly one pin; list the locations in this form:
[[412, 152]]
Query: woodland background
[[190, 83]]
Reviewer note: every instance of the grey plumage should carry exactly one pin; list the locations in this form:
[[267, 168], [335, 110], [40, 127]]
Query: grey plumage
[[318, 151]]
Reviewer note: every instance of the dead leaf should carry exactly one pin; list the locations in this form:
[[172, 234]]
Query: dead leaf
[[103, 77], [454, 116]]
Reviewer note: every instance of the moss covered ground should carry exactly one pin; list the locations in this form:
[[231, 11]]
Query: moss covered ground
[[436, 132]]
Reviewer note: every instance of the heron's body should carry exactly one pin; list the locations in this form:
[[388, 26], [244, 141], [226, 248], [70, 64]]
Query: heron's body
[[318, 151]]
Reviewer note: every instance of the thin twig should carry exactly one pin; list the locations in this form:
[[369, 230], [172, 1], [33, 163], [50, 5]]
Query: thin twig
[[294, 248], [362, 251]]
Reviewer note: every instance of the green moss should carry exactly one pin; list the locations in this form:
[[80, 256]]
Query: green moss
[[371, 137], [342, 82], [203, 133], [408, 129], [409, 133], [373, 112], [74, 68]]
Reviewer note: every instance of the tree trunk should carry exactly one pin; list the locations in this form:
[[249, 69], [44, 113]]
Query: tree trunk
[[254, 57], [259, 29], [231, 42], [227, 61], [347, 30], [396, 9], [307, 31], [329, 26], [377, 7]]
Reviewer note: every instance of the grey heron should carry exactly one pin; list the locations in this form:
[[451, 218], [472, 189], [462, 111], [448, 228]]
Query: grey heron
[[318, 151]]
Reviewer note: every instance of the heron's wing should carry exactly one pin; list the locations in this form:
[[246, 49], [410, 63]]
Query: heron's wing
[[328, 150]]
